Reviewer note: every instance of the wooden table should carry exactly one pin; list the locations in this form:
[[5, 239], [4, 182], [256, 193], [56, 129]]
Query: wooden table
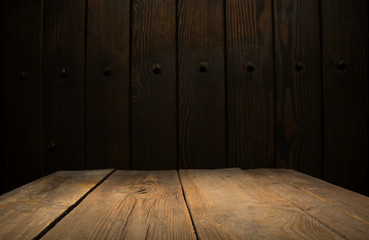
[[189, 204]]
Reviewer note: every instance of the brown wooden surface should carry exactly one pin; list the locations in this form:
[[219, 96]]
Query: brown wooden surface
[[231, 204], [352, 203], [191, 204], [28, 210], [130, 205], [153, 95], [250, 94], [298, 92], [201, 95], [63, 97], [345, 93], [107, 94], [20, 99], [327, 211]]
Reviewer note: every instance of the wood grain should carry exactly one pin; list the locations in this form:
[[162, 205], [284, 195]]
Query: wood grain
[[345, 93], [26, 211], [130, 205], [250, 93], [107, 94], [201, 96], [333, 195], [230, 204], [153, 95], [21, 106], [298, 91], [63, 97], [328, 212]]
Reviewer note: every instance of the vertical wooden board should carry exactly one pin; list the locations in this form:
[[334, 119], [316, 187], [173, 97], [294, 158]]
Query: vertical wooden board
[[107, 84], [153, 86], [130, 205], [63, 95], [27, 211], [250, 74], [298, 85], [20, 93], [345, 93], [201, 90]]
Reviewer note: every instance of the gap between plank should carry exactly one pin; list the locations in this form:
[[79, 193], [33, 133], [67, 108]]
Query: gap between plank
[[188, 208], [69, 209]]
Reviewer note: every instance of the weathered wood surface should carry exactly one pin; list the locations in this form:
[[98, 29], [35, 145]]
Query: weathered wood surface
[[232, 204], [320, 200], [215, 204], [352, 203], [130, 205], [28, 210]]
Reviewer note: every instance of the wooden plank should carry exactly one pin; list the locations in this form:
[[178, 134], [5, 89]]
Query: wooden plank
[[153, 84], [130, 205], [298, 85], [352, 203], [230, 204], [26, 211], [63, 84], [201, 84], [345, 93], [107, 84], [20, 93], [346, 224], [250, 84]]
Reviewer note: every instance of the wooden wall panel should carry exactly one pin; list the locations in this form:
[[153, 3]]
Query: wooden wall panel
[[63, 84], [108, 84], [20, 93], [153, 84], [298, 85], [345, 93], [250, 81], [201, 84]]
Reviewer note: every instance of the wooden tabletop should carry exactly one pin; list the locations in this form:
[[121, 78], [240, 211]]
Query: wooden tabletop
[[189, 204]]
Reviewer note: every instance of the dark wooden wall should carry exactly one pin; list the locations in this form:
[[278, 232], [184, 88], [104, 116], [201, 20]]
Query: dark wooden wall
[[168, 84]]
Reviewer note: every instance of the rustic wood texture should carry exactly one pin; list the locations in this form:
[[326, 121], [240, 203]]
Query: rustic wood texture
[[130, 205], [231, 204], [63, 95], [108, 84], [28, 210], [20, 95], [345, 93], [201, 91], [352, 203], [153, 90], [250, 91], [331, 208], [298, 88]]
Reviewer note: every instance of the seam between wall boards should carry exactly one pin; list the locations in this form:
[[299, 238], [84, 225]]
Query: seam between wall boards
[[85, 86], [274, 83], [130, 88]]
